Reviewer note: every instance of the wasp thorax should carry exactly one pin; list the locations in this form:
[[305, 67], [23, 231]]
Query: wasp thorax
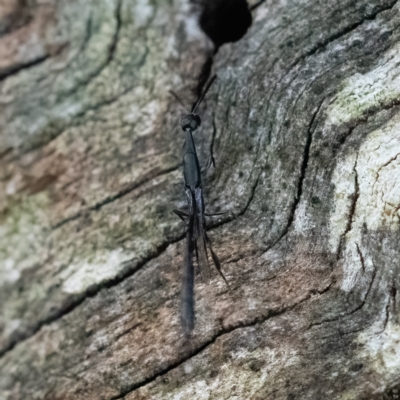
[[190, 121]]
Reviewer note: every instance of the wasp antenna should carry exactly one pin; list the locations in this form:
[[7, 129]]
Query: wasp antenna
[[200, 99], [254, 6]]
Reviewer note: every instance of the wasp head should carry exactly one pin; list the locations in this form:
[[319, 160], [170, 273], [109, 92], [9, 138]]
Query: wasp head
[[190, 121]]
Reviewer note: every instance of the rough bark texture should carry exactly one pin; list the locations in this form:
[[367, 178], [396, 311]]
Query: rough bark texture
[[304, 125]]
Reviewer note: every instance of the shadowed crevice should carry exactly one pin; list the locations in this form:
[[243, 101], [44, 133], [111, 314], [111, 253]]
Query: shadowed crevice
[[352, 211], [15, 69], [354, 310], [361, 257], [251, 197], [303, 170], [111, 49]]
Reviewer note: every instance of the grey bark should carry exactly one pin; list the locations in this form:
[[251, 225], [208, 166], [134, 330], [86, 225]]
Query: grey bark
[[304, 126]]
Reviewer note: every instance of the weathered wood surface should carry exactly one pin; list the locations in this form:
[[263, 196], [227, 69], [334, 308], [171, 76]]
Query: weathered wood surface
[[304, 125]]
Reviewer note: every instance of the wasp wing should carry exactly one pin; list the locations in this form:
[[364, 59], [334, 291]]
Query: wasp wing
[[187, 299]]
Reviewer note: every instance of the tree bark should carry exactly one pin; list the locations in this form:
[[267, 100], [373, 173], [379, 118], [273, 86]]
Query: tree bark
[[304, 125]]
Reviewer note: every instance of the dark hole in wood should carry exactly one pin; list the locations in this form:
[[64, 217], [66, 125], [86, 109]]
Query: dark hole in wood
[[225, 21]]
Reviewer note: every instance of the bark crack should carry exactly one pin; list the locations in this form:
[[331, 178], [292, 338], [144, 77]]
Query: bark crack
[[387, 315], [391, 298], [393, 293], [211, 148], [81, 49], [115, 40], [303, 169], [361, 257], [384, 166], [352, 211], [14, 69], [251, 197], [356, 309], [111, 49]]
